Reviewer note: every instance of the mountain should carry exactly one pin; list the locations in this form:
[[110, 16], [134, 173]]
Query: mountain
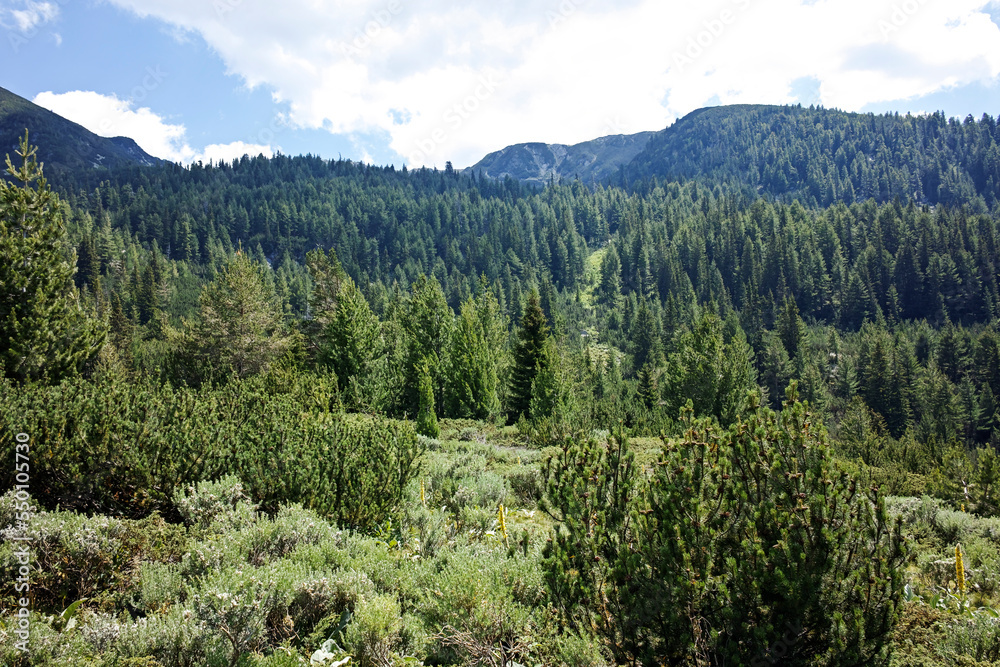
[[62, 144], [822, 156], [537, 162]]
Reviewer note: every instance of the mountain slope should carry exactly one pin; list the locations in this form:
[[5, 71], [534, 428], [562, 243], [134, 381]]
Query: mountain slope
[[537, 162], [823, 156], [62, 144]]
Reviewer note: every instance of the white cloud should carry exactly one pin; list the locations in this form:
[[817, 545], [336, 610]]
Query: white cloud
[[232, 151], [108, 116], [26, 16], [449, 81]]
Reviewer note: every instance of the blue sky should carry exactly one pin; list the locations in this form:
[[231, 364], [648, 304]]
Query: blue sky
[[405, 82]]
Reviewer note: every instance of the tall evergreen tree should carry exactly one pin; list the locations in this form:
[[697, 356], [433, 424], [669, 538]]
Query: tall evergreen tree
[[475, 359], [427, 322], [644, 337], [351, 340], [528, 354], [240, 331], [609, 288], [44, 332], [427, 423], [648, 389], [791, 328]]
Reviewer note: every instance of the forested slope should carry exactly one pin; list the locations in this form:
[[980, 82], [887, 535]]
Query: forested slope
[[823, 156]]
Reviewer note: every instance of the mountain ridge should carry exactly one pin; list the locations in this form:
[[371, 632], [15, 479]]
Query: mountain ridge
[[538, 162], [62, 144]]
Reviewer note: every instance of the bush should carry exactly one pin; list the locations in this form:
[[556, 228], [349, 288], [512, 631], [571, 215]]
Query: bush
[[223, 503], [161, 585], [373, 633], [74, 557], [742, 540], [125, 448], [269, 540], [175, 638], [526, 482]]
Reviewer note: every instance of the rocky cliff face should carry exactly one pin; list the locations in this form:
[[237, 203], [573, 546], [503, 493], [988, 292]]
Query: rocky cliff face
[[590, 161]]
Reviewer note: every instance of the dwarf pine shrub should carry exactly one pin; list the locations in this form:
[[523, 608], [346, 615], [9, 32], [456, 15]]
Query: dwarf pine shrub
[[743, 541]]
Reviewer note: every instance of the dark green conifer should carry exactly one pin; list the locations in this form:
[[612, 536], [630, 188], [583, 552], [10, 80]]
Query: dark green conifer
[[532, 334], [44, 332]]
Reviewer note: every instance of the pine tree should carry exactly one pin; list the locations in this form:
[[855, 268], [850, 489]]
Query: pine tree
[[533, 333], [713, 373], [121, 327], [44, 332], [427, 322], [147, 301], [550, 391], [350, 340], [240, 330], [645, 337], [648, 390], [791, 328], [426, 416], [740, 541], [609, 289], [475, 359]]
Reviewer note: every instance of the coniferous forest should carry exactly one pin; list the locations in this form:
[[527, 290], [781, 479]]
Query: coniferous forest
[[738, 405]]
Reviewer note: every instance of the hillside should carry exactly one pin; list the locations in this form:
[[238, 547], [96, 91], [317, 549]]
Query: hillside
[[822, 156], [219, 404], [536, 162], [62, 144]]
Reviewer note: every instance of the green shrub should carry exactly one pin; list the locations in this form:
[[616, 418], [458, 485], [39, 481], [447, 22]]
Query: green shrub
[[48, 647], [374, 632], [268, 540], [214, 553], [117, 446], [222, 505], [526, 482], [74, 557], [742, 541], [476, 597], [175, 638], [235, 605], [161, 585], [975, 635]]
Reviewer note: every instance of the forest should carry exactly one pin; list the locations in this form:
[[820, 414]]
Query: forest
[[290, 410]]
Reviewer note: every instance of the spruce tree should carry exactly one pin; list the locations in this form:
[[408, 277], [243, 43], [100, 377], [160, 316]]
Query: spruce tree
[[352, 340], [791, 328], [426, 416], [344, 333], [533, 333], [644, 334], [609, 288], [427, 321], [475, 357], [649, 389], [44, 332]]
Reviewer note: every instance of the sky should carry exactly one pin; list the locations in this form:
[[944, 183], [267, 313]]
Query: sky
[[424, 83]]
